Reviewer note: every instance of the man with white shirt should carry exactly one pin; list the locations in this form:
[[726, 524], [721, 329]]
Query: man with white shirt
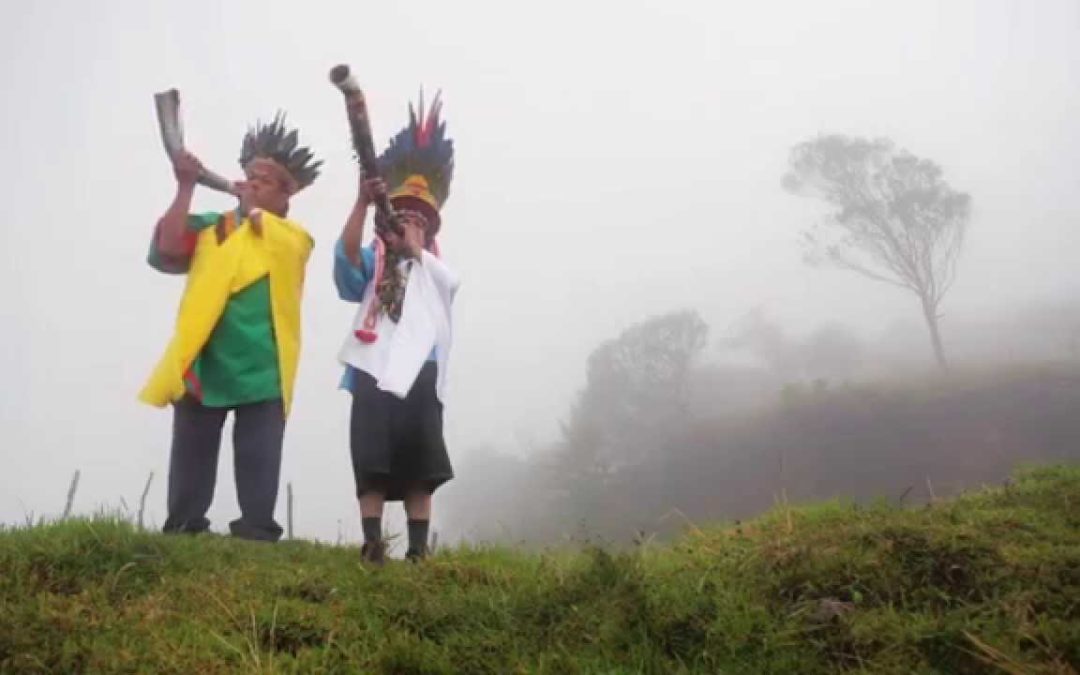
[[396, 354]]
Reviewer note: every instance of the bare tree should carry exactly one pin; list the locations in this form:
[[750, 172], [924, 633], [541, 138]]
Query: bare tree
[[892, 218]]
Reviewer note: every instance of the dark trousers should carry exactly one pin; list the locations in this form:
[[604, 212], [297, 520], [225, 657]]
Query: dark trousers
[[398, 444], [258, 431]]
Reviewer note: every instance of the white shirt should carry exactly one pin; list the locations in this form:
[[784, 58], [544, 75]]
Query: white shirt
[[395, 358]]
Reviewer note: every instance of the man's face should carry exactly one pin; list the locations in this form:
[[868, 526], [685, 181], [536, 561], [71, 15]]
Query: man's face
[[264, 189], [414, 218], [407, 217]]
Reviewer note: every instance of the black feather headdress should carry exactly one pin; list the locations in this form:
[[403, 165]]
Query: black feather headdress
[[275, 141]]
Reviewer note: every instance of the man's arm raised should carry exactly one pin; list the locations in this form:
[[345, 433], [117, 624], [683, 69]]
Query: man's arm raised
[[352, 235], [173, 237]]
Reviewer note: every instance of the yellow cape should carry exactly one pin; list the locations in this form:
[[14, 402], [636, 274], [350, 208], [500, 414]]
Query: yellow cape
[[220, 270]]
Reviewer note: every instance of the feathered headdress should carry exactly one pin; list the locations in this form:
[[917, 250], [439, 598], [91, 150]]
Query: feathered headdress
[[418, 164], [275, 142]]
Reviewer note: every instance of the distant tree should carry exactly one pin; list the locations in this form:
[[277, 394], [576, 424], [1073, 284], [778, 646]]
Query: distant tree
[[831, 351], [893, 217], [636, 385], [635, 400], [759, 335]]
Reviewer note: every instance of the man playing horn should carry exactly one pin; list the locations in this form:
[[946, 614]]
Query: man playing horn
[[236, 343], [396, 353]]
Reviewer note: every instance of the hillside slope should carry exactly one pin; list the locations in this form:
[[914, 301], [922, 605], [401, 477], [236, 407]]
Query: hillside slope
[[988, 582]]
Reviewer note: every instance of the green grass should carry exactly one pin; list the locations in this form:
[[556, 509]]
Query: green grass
[[989, 582]]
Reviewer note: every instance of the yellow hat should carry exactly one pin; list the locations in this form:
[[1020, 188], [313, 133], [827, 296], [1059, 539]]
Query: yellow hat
[[414, 193]]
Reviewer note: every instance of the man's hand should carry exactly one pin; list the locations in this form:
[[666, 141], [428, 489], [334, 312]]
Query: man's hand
[[414, 237], [186, 168], [371, 189], [411, 241], [255, 217]]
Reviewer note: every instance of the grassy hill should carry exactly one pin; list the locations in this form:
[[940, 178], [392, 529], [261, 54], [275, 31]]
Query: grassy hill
[[988, 582]]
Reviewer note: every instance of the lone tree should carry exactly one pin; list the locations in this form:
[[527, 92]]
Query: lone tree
[[892, 218]]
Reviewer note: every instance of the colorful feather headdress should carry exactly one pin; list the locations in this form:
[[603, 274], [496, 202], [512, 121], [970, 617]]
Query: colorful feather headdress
[[418, 164], [275, 142]]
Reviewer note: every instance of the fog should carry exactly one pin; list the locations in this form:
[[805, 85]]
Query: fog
[[614, 163]]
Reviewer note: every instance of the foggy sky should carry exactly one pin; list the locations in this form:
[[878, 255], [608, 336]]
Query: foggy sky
[[613, 162]]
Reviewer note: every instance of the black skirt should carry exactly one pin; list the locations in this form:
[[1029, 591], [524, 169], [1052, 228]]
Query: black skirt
[[398, 444]]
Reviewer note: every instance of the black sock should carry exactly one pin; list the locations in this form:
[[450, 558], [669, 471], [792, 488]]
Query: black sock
[[418, 532], [372, 529]]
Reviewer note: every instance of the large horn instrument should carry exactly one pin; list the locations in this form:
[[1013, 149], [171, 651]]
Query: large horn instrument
[[360, 126], [167, 104]]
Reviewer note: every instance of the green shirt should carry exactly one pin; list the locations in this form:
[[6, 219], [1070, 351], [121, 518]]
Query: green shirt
[[239, 363]]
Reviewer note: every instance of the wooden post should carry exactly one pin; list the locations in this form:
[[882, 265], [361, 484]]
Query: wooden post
[[288, 513], [71, 494], [142, 500]]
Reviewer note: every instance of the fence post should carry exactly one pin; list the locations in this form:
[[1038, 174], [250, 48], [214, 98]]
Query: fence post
[[142, 500], [71, 494], [289, 510]]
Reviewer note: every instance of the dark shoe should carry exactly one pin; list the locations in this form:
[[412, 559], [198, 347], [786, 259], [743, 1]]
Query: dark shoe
[[241, 529], [373, 553], [415, 556], [178, 526]]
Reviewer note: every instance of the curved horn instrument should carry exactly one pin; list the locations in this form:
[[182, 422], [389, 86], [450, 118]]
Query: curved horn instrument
[[167, 104]]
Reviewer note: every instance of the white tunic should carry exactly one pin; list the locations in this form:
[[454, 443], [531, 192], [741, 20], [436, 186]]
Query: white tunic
[[396, 357]]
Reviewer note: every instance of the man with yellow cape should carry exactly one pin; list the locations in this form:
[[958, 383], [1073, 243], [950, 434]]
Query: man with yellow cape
[[236, 343]]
